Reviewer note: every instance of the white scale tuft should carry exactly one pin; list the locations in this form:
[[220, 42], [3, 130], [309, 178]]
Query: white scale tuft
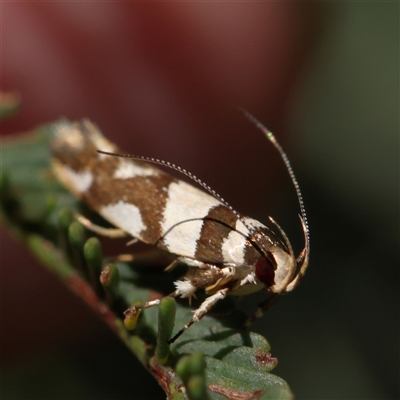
[[185, 288]]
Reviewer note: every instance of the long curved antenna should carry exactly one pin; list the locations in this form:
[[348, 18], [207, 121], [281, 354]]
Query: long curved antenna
[[179, 169], [304, 255]]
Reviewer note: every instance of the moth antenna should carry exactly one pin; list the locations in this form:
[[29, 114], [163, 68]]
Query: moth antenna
[[180, 170], [270, 136]]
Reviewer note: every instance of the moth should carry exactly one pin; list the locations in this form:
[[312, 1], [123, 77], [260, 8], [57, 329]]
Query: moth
[[225, 252]]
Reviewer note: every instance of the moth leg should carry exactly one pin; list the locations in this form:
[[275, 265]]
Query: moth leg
[[204, 308], [132, 312], [190, 262], [148, 255], [112, 233], [262, 308], [227, 275], [121, 258]]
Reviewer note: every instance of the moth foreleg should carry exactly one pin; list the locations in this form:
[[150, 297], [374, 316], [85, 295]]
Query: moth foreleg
[[113, 233], [262, 308], [204, 308]]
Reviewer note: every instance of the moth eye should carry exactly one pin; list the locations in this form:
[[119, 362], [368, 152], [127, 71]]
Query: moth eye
[[265, 271]]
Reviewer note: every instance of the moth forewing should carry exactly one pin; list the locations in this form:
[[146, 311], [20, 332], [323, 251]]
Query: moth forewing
[[226, 252]]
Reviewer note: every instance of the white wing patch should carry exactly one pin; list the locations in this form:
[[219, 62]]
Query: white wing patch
[[240, 227], [233, 248], [253, 223], [184, 203], [77, 182], [125, 216], [127, 169], [182, 239]]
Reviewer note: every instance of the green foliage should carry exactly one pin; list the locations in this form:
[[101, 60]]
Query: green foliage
[[166, 321], [214, 359]]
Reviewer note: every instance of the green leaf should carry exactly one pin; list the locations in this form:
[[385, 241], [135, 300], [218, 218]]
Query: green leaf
[[223, 360]]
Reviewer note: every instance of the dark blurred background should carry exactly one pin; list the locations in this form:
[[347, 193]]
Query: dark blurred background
[[165, 80]]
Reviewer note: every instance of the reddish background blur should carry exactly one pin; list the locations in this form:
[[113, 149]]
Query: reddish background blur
[[159, 79]]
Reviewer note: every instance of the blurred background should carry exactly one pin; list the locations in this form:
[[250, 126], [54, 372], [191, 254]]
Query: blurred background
[[166, 80]]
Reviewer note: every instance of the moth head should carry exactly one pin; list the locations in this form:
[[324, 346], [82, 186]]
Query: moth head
[[278, 267], [284, 268]]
